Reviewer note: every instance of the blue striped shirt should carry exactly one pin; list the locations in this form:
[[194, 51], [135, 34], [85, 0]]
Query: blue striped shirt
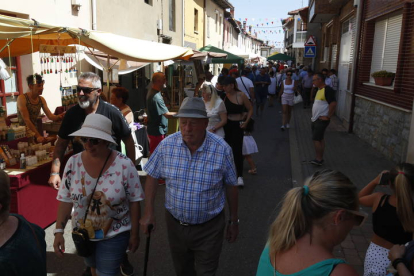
[[195, 184]]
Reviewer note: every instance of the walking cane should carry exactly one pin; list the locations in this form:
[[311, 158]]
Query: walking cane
[[147, 249]]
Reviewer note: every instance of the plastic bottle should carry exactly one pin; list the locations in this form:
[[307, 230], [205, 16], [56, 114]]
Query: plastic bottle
[[22, 161]]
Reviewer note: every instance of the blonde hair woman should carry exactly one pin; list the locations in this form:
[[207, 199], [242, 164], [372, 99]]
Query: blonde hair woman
[[313, 220], [392, 218], [216, 111]]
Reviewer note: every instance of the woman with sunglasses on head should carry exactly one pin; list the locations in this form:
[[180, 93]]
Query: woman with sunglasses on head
[[313, 219], [216, 110], [287, 94], [103, 187], [393, 215]]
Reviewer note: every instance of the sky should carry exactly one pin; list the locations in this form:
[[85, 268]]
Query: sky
[[257, 11]]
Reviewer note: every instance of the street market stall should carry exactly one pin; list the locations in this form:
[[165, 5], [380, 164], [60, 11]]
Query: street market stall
[[32, 197]]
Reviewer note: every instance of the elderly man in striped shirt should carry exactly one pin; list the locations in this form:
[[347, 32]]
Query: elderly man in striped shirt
[[199, 172]]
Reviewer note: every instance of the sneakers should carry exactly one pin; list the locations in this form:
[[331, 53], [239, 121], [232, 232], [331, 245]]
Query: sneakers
[[126, 268], [282, 128], [287, 126], [316, 162], [240, 181]]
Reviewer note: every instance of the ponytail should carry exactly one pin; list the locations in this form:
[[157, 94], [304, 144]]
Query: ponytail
[[302, 207], [403, 187], [290, 224]]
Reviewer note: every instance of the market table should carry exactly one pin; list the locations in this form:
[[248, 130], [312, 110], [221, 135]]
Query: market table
[[31, 195]]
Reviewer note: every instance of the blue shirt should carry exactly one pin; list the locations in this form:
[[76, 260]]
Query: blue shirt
[[323, 268], [303, 74], [295, 77], [195, 183]]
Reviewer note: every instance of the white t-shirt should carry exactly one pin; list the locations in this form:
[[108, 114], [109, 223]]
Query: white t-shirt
[[247, 82], [272, 86], [108, 213], [214, 115]]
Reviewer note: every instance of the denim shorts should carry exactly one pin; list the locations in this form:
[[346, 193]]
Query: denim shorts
[[108, 254]]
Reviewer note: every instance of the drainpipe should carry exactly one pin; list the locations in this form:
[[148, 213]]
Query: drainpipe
[[353, 83], [205, 25], [94, 24], [183, 4]]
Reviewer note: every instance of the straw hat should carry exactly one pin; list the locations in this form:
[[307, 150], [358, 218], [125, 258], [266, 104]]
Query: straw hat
[[96, 126], [192, 107]]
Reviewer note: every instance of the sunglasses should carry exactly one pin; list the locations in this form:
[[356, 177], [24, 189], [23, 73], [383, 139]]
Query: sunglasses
[[85, 90], [93, 141], [359, 217]]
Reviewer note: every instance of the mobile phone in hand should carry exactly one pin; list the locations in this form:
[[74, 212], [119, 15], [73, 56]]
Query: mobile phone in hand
[[385, 179]]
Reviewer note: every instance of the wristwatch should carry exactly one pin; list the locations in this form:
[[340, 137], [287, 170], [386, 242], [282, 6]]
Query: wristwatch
[[58, 231], [234, 222]]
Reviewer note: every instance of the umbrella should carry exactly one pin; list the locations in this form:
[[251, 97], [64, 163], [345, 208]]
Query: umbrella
[[230, 57]]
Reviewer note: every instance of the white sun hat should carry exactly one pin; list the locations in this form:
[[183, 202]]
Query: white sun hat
[[96, 126]]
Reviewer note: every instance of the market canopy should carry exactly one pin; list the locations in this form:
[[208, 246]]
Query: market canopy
[[230, 57], [25, 36], [280, 57]]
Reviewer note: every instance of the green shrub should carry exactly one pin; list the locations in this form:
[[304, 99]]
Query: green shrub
[[383, 74]]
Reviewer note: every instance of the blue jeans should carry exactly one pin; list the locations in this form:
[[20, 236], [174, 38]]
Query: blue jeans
[[108, 254]]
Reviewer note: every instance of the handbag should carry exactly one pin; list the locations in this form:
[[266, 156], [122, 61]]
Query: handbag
[[297, 99], [80, 236]]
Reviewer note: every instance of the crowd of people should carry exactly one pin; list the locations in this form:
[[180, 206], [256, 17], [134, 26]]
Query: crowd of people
[[201, 167]]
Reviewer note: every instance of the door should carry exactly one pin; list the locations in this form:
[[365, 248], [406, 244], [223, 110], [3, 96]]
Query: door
[[345, 61]]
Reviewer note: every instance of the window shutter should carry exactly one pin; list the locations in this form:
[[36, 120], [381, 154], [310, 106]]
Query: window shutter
[[378, 47], [208, 26], [392, 43]]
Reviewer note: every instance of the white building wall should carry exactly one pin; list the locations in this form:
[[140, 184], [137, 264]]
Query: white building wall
[[53, 12], [214, 15]]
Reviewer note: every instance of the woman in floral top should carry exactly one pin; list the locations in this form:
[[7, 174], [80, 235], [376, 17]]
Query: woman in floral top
[[113, 208]]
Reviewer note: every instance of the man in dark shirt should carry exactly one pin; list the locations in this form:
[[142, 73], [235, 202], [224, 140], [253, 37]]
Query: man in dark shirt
[[261, 88], [158, 113]]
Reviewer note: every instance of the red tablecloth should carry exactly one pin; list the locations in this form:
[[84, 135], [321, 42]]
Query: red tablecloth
[[31, 195]]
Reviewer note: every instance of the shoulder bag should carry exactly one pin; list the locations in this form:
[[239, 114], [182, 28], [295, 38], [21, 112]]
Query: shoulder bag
[[80, 236], [250, 97]]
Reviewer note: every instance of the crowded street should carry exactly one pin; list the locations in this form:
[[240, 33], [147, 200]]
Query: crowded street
[[217, 138]]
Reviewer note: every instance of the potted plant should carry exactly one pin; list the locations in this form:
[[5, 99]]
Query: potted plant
[[383, 78]]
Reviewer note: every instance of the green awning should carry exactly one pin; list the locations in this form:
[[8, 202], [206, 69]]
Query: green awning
[[230, 57], [280, 57]]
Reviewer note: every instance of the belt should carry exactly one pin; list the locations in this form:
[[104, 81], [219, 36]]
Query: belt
[[182, 223]]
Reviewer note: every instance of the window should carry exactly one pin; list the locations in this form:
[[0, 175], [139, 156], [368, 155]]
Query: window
[[208, 26], [217, 23], [172, 15], [221, 24], [195, 20], [149, 2], [386, 44]]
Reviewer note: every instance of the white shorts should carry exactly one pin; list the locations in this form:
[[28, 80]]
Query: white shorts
[[288, 99], [376, 260]]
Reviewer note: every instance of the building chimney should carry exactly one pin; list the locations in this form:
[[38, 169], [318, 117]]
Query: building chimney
[[250, 29], [232, 12], [244, 25]]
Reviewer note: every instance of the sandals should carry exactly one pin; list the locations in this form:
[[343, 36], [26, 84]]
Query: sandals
[[253, 171]]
